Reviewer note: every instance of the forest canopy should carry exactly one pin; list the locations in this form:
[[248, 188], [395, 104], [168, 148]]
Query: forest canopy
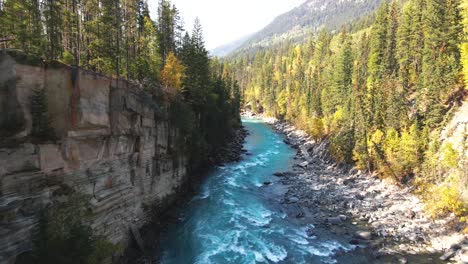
[[380, 94]]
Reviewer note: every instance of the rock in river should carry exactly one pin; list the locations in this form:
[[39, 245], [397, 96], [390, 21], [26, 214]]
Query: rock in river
[[364, 235]]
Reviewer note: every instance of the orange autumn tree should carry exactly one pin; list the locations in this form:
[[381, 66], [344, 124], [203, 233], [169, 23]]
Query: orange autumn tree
[[172, 73]]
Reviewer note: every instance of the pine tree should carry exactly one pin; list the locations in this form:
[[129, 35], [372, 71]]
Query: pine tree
[[440, 59], [41, 128], [321, 55], [148, 62], [195, 58], [464, 45], [20, 25], [391, 62], [377, 66], [169, 28], [405, 36], [71, 32], [52, 10], [343, 74]]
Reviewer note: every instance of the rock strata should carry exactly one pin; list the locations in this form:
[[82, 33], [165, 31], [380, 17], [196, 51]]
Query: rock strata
[[115, 143]]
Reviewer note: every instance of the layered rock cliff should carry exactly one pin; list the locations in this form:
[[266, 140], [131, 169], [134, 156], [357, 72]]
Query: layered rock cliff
[[114, 143]]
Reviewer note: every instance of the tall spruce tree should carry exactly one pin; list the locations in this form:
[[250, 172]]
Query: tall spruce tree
[[53, 16], [441, 57]]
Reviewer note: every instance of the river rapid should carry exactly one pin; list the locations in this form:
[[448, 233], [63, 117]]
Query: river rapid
[[233, 220]]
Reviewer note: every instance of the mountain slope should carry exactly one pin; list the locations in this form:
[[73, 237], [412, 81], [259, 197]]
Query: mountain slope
[[312, 15], [228, 48]]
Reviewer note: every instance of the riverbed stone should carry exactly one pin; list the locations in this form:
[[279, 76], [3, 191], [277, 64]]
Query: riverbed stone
[[293, 199], [334, 220], [393, 212], [448, 254]]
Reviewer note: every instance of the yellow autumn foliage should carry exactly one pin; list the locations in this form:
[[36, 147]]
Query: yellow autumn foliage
[[173, 73]]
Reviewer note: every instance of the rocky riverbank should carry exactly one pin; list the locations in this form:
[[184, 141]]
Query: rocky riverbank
[[233, 149], [381, 221]]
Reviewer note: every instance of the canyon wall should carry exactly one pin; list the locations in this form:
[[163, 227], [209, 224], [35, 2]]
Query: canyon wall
[[113, 144]]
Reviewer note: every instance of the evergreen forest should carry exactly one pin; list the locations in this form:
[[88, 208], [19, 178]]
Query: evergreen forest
[[379, 94]]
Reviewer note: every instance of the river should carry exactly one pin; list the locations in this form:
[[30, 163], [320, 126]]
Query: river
[[232, 220]]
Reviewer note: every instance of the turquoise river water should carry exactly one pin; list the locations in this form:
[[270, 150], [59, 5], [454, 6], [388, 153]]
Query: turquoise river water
[[232, 221]]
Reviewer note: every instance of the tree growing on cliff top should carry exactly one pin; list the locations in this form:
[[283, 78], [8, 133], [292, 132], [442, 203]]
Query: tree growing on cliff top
[[173, 73]]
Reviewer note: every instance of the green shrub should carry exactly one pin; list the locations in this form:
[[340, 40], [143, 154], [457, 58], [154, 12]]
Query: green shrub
[[342, 145], [449, 157], [444, 198], [68, 58], [63, 237], [317, 129], [103, 250]]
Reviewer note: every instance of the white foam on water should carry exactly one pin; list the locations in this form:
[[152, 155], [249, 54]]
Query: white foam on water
[[232, 181], [229, 202], [298, 240], [275, 253], [325, 249], [205, 193], [255, 163], [258, 256], [222, 246], [258, 216], [334, 245], [301, 232], [318, 252]]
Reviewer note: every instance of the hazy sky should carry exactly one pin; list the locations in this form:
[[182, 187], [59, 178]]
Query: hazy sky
[[224, 21]]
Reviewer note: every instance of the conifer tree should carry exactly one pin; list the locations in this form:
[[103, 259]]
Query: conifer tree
[[343, 73], [52, 10], [169, 28], [41, 128], [464, 45], [440, 59], [20, 25]]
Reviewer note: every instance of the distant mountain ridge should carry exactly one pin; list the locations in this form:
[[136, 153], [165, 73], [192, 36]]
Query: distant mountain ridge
[[228, 48], [311, 16]]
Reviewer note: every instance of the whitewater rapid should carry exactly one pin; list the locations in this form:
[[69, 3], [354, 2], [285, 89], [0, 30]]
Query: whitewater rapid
[[231, 220]]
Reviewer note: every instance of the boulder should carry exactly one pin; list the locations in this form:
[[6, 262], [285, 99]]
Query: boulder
[[334, 220], [293, 199], [364, 235], [303, 164], [300, 215], [448, 254]]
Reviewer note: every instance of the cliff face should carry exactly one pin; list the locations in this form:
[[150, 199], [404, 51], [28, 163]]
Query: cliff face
[[114, 144]]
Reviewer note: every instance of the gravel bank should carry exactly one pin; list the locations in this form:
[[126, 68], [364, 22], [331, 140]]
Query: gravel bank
[[385, 222]]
